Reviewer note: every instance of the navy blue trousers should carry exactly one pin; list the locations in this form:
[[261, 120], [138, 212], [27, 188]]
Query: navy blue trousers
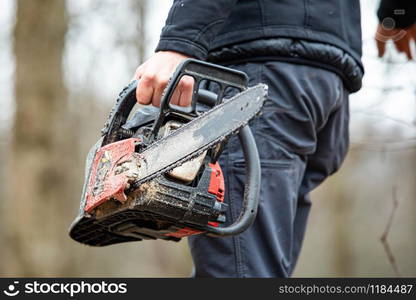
[[302, 137]]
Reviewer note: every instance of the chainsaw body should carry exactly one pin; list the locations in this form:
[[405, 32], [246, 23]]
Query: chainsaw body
[[187, 200], [168, 207]]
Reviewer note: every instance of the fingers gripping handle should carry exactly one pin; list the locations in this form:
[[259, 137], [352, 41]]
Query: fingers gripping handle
[[200, 70]]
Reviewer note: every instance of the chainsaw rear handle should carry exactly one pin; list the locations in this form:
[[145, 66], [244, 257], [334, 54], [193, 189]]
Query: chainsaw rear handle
[[252, 182]]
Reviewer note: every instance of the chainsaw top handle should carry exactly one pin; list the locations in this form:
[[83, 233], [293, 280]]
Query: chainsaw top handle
[[198, 70]]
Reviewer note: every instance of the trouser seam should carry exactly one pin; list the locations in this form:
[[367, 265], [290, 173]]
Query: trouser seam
[[236, 240]]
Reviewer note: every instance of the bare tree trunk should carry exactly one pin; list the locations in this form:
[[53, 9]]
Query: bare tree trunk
[[39, 184], [141, 11]]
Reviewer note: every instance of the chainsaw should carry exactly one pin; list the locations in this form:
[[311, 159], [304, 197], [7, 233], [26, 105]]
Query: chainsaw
[[154, 174]]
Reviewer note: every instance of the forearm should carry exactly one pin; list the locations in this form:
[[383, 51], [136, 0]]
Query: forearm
[[192, 25]]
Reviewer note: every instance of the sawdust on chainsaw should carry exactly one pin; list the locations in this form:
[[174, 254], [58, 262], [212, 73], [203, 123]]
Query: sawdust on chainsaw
[[108, 207], [147, 191]]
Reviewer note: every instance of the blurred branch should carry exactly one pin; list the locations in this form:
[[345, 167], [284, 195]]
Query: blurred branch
[[364, 112], [384, 146], [386, 232], [374, 147]]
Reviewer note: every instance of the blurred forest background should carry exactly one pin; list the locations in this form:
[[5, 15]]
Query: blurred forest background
[[62, 64]]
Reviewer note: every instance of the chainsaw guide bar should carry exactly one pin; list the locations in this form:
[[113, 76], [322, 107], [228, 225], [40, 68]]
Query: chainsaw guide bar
[[193, 138]]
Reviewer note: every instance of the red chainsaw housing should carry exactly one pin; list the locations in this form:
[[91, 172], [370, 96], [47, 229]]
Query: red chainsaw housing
[[104, 182], [217, 188]]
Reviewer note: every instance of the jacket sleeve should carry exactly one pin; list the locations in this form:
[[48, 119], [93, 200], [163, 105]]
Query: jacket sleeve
[[403, 12], [192, 25]]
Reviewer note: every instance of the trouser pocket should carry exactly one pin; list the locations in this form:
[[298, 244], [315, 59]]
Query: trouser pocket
[[266, 247]]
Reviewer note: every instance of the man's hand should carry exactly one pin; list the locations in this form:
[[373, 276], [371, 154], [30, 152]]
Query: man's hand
[[153, 76], [402, 39]]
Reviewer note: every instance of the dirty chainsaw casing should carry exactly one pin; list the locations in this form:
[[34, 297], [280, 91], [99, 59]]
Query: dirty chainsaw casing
[[121, 202], [163, 208]]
